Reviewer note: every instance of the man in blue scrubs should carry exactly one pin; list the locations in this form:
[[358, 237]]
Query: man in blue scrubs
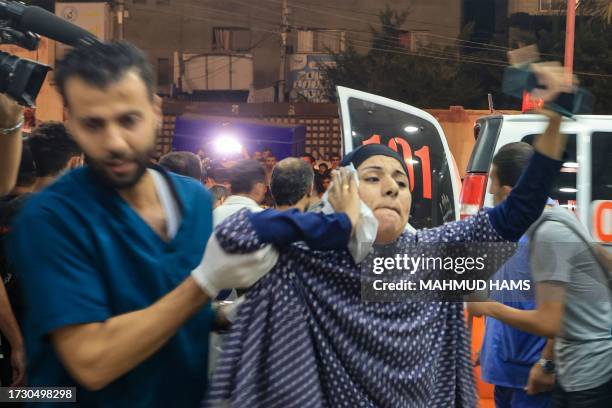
[[116, 289], [513, 360]]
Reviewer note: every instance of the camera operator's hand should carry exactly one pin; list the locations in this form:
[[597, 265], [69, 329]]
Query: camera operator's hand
[[10, 143], [344, 195], [10, 112]]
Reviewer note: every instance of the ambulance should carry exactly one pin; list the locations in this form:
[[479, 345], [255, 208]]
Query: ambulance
[[584, 184]]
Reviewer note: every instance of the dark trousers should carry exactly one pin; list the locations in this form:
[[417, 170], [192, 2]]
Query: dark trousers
[[599, 397], [506, 397]]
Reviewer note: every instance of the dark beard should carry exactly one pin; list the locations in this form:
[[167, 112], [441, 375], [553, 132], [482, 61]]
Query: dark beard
[[118, 184]]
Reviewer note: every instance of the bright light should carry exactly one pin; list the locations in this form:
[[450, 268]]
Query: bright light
[[227, 144], [411, 129], [568, 190], [412, 161], [354, 133], [571, 165]]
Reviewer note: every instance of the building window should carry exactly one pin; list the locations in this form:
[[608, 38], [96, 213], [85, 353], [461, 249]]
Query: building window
[[321, 41], [414, 40], [231, 39], [163, 72], [553, 5]]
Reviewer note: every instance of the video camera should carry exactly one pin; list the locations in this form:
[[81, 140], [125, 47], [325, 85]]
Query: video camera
[[22, 25]]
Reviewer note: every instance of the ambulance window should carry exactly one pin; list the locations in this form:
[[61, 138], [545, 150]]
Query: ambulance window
[[564, 188], [420, 143], [601, 166]]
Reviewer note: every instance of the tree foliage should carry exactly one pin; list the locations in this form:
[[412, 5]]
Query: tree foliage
[[431, 79], [436, 77]]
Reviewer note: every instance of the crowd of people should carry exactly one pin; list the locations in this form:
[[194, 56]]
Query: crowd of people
[[114, 273]]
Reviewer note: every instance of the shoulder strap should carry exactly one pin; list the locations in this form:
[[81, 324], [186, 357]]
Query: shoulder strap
[[603, 258]]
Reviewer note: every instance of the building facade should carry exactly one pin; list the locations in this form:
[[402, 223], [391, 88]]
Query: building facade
[[164, 28]]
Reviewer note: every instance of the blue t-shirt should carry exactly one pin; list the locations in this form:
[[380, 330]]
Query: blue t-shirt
[[84, 255], [507, 354]]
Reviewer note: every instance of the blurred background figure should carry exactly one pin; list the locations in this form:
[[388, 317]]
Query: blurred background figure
[[54, 152], [269, 163], [323, 169], [220, 193], [326, 181], [335, 161], [266, 152], [292, 183], [183, 163], [247, 180]]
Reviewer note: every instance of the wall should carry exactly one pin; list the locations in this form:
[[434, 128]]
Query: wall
[[523, 6], [160, 27]]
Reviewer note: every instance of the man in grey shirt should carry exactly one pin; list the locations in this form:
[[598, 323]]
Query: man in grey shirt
[[573, 307]]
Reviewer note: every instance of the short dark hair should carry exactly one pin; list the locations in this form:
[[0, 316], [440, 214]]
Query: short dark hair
[[331, 157], [267, 149], [102, 64], [183, 163], [219, 192], [291, 180], [245, 174], [310, 157], [27, 168], [52, 147], [324, 164], [510, 161]]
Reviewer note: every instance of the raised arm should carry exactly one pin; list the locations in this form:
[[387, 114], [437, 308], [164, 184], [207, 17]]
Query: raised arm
[[11, 115]]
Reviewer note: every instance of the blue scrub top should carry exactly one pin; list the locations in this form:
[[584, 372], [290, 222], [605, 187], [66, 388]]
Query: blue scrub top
[[507, 354], [84, 255]]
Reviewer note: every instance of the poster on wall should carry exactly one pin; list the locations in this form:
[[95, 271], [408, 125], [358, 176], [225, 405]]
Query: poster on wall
[[306, 77]]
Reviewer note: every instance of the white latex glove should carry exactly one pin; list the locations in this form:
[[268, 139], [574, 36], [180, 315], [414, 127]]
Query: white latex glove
[[220, 270]]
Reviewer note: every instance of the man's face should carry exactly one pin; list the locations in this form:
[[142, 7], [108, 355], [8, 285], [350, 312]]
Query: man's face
[[257, 156], [307, 160], [270, 162], [115, 127], [335, 162], [498, 191], [383, 187], [266, 154], [326, 183]]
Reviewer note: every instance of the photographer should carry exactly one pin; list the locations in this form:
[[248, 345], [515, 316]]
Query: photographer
[[11, 122]]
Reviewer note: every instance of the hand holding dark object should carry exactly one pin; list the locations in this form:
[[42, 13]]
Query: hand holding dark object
[[344, 195], [539, 381]]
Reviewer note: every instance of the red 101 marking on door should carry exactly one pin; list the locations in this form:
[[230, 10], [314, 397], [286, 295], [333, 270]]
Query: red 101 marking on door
[[422, 153], [602, 220]]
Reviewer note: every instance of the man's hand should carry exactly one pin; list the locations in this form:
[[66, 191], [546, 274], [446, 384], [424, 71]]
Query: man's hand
[[18, 362], [10, 112], [220, 270], [478, 309], [344, 195], [539, 381]]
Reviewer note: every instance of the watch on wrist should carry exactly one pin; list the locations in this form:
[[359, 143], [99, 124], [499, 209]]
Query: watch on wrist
[[548, 366]]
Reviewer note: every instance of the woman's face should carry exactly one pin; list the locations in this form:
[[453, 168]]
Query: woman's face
[[383, 187]]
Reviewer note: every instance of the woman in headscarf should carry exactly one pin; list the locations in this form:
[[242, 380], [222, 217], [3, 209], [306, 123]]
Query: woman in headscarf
[[304, 337]]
